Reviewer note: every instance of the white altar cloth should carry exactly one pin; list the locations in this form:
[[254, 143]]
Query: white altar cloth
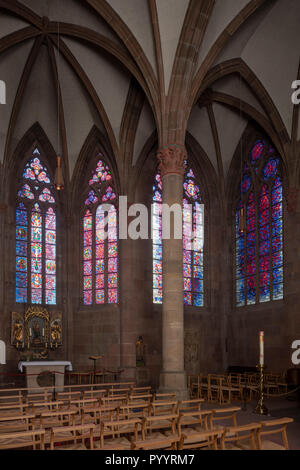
[[44, 363], [34, 369]]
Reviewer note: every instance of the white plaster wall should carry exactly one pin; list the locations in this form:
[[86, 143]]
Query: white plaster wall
[[171, 14], [110, 81], [71, 11], [230, 128], [9, 24], [80, 113], [273, 54], [136, 15], [236, 44], [12, 63], [145, 128], [233, 85], [200, 128], [40, 101], [223, 13]]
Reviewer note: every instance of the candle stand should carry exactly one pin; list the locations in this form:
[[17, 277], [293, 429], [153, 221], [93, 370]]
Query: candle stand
[[261, 408]]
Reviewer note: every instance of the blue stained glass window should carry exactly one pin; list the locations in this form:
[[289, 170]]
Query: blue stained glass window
[[271, 168], [193, 241], [259, 273], [32, 214]]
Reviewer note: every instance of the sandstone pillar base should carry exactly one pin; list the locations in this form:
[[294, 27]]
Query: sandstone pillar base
[[174, 382]]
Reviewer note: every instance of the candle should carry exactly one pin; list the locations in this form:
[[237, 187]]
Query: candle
[[261, 348], [30, 332], [43, 331]]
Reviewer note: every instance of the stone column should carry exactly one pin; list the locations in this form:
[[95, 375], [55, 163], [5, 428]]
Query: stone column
[[172, 378]]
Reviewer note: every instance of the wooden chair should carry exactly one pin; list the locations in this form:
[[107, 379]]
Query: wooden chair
[[164, 396], [140, 398], [214, 391], [163, 407], [15, 423], [98, 414], [116, 392], [38, 397], [232, 437], [69, 437], [94, 394], [274, 426], [85, 403], [120, 433], [163, 443], [153, 426], [190, 405], [204, 386], [19, 440], [198, 440], [225, 416], [42, 407], [193, 385], [128, 411], [114, 400], [11, 399], [140, 390], [236, 387], [20, 409], [193, 422], [68, 396], [51, 419]]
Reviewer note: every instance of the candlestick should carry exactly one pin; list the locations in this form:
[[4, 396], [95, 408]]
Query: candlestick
[[261, 348], [261, 408]]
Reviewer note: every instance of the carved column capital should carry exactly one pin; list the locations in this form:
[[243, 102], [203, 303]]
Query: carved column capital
[[292, 199], [172, 160]]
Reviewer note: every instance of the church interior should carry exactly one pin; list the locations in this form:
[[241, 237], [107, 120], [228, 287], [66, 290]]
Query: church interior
[[114, 336]]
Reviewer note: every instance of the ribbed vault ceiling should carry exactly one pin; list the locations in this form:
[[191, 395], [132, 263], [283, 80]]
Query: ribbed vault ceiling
[[121, 57]]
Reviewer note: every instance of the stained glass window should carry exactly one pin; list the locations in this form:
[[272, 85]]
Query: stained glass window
[[100, 239], [193, 241], [259, 247], [36, 235]]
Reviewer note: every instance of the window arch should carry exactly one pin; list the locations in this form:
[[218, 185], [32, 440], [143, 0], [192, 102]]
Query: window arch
[[100, 247], [259, 244], [36, 235], [193, 241]]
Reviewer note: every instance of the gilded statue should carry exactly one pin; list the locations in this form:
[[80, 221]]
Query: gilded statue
[[18, 331], [140, 352], [55, 332]]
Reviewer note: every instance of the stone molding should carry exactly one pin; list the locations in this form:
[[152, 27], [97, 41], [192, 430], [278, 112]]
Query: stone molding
[[172, 160]]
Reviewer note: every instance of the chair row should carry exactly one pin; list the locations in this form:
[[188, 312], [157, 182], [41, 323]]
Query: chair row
[[46, 395], [78, 387], [189, 430], [225, 388]]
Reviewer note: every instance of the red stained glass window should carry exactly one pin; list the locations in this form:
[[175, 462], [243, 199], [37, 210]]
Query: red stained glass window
[[259, 249], [100, 238]]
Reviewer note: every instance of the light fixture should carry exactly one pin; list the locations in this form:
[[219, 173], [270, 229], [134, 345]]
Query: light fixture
[[242, 221], [58, 179]]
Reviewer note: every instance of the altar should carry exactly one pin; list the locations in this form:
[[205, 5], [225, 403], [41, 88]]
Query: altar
[[38, 374]]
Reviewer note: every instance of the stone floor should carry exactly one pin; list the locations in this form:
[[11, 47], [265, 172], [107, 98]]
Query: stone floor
[[278, 408]]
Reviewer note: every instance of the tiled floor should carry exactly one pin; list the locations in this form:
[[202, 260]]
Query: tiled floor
[[278, 408]]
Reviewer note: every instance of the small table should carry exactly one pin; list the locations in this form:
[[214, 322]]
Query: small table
[[37, 367], [95, 358]]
